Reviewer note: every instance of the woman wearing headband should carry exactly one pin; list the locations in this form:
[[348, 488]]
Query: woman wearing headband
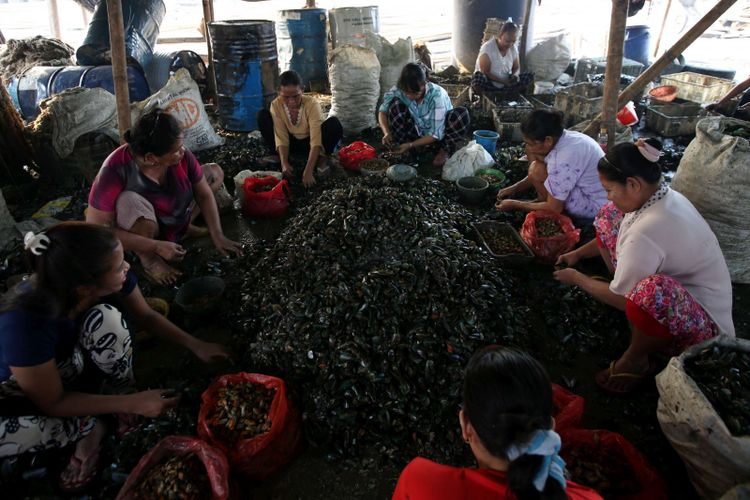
[[670, 277], [151, 189], [506, 419], [62, 318]]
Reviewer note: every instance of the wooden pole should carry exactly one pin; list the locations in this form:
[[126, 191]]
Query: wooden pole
[[208, 16], [663, 25], [613, 68], [119, 65], [674, 51], [54, 19], [310, 4], [525, 34]]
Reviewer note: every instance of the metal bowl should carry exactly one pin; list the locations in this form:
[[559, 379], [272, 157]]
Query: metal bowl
[[472, 188], [200, 295]]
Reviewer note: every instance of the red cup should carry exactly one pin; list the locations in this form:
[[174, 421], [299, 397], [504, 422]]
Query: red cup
[[626, 115]]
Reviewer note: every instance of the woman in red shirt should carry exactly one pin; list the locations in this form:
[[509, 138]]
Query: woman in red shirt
[[507, 421]]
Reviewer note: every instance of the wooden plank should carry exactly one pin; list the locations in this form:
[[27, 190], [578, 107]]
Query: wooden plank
[[613, 68], [119, 65]]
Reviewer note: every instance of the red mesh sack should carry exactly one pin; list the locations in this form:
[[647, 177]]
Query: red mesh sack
[[569, 408], [216, 464], [265, 197], [549, 248], [258, 457], [612, 462], [351, 155]]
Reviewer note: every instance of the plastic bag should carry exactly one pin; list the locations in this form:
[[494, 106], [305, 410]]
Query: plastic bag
[[549, 248], [354, 73], [217, 467], [715, 177], [260, 203], [239, 181], [630, 476], [569, 408], [181, 98], [351, 155], [466, 161], [550, 58], [258, 457], [715, 459], [392, 57]]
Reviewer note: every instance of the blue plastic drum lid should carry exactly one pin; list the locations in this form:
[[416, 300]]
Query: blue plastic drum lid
[[41, 82], [142, 20], [303, 43], [637, 43]]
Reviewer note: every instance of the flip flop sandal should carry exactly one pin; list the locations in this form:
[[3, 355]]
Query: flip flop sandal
[[75, 464], [631, 381]]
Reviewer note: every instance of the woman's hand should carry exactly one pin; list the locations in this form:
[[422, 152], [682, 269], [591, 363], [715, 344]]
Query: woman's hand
[[506, 205], [402, 148], [154, 402], [224, 245], [388, 140], [287, 170], [209, 352], [505, 192], [308, 178], [169, 250], [569, 259], [568, 276]]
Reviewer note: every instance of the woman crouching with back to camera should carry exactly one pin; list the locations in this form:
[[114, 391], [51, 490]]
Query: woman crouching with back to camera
[[506, 419]]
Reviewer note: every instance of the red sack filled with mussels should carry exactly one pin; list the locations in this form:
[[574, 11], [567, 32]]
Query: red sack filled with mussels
[[608, 463], [265, 197], [249, 417], [179, 467], [350, 156], [549, 234], [568, 408]]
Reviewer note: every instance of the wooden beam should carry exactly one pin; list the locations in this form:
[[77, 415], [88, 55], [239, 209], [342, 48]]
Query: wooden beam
[[184, 39], [663, 25], [613, 68], [525, 34], [674, 51], [54, 19], [310, 4], [119, 65], [208, 16]]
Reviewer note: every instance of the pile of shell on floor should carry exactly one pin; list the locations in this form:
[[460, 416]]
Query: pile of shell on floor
[[369, 304]]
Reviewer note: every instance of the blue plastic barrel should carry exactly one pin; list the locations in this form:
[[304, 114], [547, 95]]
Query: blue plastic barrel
[[638, 43], [41, 82], [246, 68], [469, 21], [303, 44], [142, 19]]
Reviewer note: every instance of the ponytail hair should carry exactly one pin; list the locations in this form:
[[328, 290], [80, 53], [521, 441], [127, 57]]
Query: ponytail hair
[[507, 398], [639, 159], [71, 254]]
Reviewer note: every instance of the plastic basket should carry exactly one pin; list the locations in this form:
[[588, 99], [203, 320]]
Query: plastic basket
[[697, 87], [674, 119], [459, 94]]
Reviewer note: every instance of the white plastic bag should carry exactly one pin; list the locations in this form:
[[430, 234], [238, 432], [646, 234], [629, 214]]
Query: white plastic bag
[[714, 174], [466, 161], [715, 459], [392, 57], [550, 58], [181, 98], [354, 73]]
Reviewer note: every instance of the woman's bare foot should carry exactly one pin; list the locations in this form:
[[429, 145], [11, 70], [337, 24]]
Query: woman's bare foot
[[158, 271]]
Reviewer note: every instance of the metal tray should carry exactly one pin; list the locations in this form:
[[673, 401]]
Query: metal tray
[[504, 227]]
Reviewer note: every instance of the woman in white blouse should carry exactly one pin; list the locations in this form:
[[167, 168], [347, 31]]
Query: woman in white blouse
[[497, 68], [670, 277]]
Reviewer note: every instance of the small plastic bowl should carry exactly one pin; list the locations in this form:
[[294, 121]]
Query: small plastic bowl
[[373, 166], [472, 189], [499, 176], [664, 93], [200, 295], [401, 172]]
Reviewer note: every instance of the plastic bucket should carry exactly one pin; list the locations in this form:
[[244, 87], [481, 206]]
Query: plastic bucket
[[637, 43], [348, 24], [487, 139], [303, 45], [142, 19], [41, 82], [627, 116], [247, 70]]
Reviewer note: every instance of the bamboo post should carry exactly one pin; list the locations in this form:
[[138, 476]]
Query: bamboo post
[[119, 64], [524, 34], [663, 25], [613, 68], [54, 19], [674, 51], [208, 16], [310, 4]]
